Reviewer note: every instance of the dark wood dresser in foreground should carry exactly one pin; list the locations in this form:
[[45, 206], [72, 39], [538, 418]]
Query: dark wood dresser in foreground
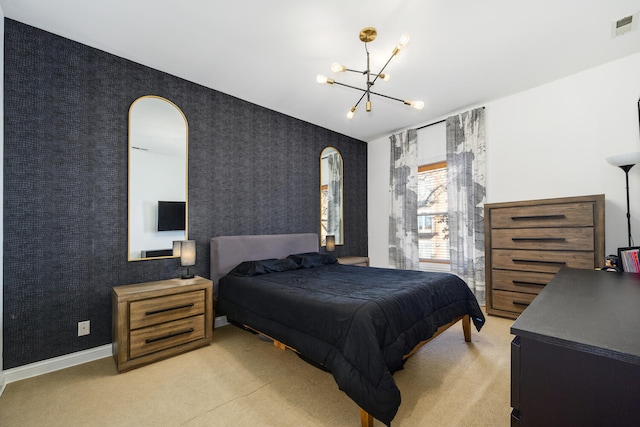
[[575, 360], [527, 242]]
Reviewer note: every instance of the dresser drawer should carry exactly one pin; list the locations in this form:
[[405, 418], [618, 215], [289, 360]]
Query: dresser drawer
[[166, 335], [554, 215], [570, 239], [520, 281], [542, 261], [515, 302], [153, 311]]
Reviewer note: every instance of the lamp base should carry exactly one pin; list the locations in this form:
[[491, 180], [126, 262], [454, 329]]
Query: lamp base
[[187, 276]]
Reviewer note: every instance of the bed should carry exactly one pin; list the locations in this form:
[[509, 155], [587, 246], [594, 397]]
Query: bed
[[358, 323]]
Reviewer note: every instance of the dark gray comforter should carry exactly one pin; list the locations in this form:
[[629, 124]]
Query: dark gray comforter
[[358, 322]]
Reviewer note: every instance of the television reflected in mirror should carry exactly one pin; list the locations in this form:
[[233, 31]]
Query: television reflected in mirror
[[171, 216]]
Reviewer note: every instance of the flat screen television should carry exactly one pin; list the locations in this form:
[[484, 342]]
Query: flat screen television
[[171, 216]]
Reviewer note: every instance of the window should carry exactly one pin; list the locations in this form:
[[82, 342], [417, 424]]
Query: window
[[324, 213], [433, 219]]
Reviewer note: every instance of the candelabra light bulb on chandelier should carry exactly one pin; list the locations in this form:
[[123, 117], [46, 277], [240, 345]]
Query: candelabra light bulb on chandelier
[[404, 40], [418, 105], [322, 79]]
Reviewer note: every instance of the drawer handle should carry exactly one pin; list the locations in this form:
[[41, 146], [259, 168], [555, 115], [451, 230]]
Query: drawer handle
[[535, 261], [538, 239], [162, 310], [175, 334], [520, 303], [530, 217], [522, 283]]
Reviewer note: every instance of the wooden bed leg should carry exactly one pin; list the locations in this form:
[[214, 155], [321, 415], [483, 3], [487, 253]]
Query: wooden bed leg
[[466, 327], [281, 346], [366, 420]]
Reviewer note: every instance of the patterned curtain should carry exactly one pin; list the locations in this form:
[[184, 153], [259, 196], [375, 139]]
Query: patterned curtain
[[466, 184], [403, 209], [334, 197]]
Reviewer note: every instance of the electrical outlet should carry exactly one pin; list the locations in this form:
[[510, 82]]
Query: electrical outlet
[[84, 328]]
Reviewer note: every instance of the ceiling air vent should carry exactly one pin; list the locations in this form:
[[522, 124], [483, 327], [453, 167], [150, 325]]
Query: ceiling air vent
[[623, 25]]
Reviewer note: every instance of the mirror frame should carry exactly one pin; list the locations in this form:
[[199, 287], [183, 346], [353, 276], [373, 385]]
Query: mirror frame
[[186, 177], [322, 239]]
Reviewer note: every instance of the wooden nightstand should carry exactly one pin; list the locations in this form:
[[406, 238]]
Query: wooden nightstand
[[354, 260], [156, 320]]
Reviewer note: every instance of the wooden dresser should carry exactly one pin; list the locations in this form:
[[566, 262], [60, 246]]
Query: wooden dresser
[[527, 242], [156, 320]]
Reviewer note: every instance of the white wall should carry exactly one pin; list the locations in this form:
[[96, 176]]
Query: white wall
[[549, 141], [378, 158]]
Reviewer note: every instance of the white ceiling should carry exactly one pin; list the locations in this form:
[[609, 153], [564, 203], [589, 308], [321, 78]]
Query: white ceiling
[[462, 53]]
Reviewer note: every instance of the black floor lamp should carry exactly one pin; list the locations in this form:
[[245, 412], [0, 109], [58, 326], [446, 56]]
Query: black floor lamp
[[626, 162]]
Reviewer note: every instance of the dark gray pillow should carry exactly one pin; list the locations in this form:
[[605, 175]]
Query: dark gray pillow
[[313, 259], [264, 266]]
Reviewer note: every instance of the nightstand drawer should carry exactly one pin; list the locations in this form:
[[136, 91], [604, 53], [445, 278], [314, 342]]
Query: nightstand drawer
[[511, 301], [566, 239], [554, 215], [166, 335], [362, 261], [165, 309]]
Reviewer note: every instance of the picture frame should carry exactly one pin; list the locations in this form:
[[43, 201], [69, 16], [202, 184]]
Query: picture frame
[[620, 260]]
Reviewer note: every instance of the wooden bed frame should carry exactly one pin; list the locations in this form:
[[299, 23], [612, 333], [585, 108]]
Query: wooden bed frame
[[366, 420], [229, 251]]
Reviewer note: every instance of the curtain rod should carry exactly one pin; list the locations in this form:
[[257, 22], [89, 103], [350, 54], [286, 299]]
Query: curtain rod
[[444, 120], [431, 124]]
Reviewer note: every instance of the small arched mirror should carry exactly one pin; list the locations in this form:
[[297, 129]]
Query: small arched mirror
[[158, 208], [331, 196]]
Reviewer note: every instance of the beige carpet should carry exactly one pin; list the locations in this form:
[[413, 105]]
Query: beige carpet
[[242, 381]]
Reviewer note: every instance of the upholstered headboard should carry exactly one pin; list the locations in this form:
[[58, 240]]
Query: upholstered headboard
[[229, 251]]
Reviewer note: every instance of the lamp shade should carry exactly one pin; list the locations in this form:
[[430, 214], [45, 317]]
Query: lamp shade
[[627, 159], [331, 243], [187, 253]]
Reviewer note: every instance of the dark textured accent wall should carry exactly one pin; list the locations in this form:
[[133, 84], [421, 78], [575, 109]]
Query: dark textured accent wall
[[251, 171]]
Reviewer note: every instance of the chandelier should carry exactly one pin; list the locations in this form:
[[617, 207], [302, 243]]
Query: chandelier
[[367, 35]]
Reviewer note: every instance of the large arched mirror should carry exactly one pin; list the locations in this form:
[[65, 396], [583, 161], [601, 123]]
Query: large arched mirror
[[158, 208], [331, 196]]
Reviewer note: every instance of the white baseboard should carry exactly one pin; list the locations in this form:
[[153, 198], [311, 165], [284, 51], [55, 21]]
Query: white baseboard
[[56, 363], [3, 383], [66, 361]]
